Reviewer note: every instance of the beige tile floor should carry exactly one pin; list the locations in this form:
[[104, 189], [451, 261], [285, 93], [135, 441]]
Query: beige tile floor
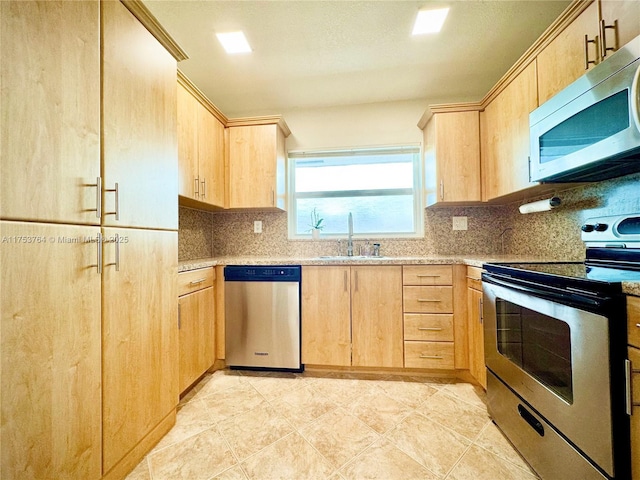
[[243, 425]]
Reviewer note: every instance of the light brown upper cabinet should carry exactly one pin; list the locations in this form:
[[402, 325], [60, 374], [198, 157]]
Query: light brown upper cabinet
[[50, 144], [257, 163], [200, 148], [452, 157], [139, 124], [603, 27], [504, 129]]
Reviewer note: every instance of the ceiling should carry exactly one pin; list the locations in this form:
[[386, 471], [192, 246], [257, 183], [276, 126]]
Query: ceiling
[[309, 54]]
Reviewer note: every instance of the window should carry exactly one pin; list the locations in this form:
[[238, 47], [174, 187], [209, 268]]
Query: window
[[380, 187]]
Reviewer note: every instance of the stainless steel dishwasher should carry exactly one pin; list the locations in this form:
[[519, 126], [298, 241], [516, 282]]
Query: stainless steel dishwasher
[[262, 317]]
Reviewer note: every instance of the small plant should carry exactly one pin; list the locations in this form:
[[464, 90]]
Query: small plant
[[316, 220]]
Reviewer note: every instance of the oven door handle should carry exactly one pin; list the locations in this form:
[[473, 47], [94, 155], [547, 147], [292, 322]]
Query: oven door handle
[[562, 297]]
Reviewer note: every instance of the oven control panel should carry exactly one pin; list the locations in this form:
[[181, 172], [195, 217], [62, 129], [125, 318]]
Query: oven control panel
[[612, 231]]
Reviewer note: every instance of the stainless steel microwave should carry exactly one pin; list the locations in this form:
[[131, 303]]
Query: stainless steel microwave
[[590, 131]]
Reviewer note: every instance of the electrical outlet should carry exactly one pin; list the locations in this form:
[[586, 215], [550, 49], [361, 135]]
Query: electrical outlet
[[257, 226], [459, 223]]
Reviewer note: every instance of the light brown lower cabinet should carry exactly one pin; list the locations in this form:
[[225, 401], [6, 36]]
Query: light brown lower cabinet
[[475, 326], [352, 316], [50, 352], [196, 325], [634, 356], [326, 315], [376, 316], [140, 339]]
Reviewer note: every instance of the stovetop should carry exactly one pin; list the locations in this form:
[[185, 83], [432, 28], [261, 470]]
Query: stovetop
[[573, 270], [612, 257]]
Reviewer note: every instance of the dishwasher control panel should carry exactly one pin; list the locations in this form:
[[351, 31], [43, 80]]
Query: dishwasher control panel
[[243, 273]]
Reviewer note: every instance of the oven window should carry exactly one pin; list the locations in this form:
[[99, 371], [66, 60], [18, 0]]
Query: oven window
[[537, 343], [586, 127]]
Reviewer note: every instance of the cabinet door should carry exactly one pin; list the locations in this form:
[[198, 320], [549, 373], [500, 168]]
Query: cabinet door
[[505, 136], [140, 151], [376, 316], [50, 97], [453, 140], [326, 315], [140, 338], [625, 15], [187, 122], [210, 158], [634, 356], [476, 336], [50, 351], [196, 323], [563, 60], [252, 166]]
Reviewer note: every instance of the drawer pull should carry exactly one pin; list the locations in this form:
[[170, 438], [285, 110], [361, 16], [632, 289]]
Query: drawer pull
[[197, 282], [431, 329], [424, 275], [424, 300], [637, 325], [434, 357], [473, 278]]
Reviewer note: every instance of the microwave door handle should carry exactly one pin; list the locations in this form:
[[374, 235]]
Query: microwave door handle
[[543, 293], [635, 98]]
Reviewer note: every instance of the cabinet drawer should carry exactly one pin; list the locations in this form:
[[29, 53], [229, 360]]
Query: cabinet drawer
[[195, 280], [633, 316], [474, 279], [428, 299], [428, 355], [435, 328], [427, 275]]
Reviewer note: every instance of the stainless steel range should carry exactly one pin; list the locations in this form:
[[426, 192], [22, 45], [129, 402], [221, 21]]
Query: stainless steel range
[[555, 346]]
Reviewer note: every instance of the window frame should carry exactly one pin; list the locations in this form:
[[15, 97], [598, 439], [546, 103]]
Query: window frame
[[417, 190]]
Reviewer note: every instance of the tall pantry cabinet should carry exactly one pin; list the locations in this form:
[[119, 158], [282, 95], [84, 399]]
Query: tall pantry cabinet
[[88, 224]]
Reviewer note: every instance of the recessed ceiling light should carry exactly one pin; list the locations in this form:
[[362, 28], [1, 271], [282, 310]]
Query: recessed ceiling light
[[234, 42], [429, 21]]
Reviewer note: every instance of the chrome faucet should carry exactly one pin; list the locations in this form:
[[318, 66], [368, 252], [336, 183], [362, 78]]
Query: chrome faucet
[[350, 238]]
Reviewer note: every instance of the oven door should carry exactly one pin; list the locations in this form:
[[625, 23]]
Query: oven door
[[556, 357]]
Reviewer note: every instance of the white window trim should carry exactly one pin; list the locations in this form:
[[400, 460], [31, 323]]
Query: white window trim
[[418, 210]]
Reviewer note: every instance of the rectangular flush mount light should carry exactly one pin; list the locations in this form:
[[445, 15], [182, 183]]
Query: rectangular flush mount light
[[234, 42], [429, 21]]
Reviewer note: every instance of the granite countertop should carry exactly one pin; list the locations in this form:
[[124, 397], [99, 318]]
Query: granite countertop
[[631, 288]]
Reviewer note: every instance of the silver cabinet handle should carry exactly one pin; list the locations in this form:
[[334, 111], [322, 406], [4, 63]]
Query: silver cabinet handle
[[628, 374], [204, 188], [638, 325], [196, 282], [480, 310], [603, 35], [179, 317], [588, 62], [424, 275], [346, 281], [430, 329], [442, 190], [116, 212], [99, 242], [424, 300], [196, 188], [473, 278], [116, 240], [273, 197], [435, 357], [356, 273], [98, 186]]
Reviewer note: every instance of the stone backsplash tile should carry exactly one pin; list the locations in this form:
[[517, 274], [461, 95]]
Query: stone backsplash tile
[[492, 230], [194, 234]]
